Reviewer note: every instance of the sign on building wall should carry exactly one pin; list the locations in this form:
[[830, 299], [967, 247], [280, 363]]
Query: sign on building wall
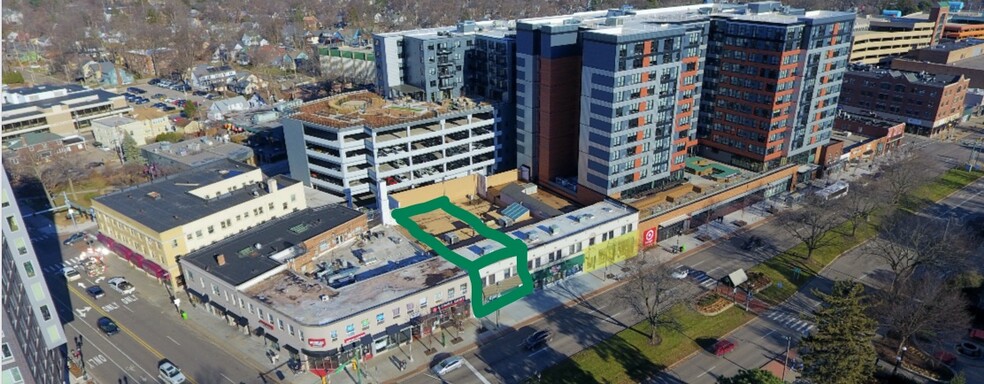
[[649, 237]]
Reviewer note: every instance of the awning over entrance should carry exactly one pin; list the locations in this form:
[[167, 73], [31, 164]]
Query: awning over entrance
[[202, 298], [154, 269]]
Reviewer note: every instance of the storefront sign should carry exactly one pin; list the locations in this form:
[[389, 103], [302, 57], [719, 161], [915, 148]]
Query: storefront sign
[[266, 324], [317, 343], [649, 237], [353, 338], [448, 304]]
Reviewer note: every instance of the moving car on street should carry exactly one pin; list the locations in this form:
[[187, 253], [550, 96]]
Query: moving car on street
[[170, 373], [74, 238], [538, 339], [119, 284], [448, 365], [95, 291], [108, 326], [71, 274]]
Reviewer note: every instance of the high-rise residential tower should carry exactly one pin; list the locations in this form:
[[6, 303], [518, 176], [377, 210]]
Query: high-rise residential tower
[[33, 338]]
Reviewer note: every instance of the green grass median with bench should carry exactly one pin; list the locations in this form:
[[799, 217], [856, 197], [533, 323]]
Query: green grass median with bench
[[627, 356]]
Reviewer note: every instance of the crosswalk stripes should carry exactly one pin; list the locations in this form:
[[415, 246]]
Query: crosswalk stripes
[[790, 321], [705, 281], [57, 267]]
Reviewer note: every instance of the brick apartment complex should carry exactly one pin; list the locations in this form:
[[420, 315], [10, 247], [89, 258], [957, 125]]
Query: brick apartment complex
[[927, 103]]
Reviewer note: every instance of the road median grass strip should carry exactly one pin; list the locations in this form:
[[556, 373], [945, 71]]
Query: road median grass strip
[[627, 356]]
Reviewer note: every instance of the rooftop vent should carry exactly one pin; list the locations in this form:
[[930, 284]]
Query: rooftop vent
[[553, 229], [258, 246], [220, 259]]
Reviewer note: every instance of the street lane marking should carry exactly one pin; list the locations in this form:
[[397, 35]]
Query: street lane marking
[[706, 372], [126, 330], [538, 351], [227, 378], [172, 340], [771, 331], [475, 371]]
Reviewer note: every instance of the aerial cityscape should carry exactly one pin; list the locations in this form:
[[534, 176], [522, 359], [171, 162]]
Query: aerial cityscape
[[329, 191]]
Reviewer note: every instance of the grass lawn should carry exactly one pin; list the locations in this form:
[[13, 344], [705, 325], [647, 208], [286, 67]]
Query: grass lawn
[[627, 357], [951, 181]]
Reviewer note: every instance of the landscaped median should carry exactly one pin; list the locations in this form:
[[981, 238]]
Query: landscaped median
[[627, 357]]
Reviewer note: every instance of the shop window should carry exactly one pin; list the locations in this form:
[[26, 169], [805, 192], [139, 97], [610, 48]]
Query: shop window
[[350, 329], [365, 324], [396, 313], [380, 319]]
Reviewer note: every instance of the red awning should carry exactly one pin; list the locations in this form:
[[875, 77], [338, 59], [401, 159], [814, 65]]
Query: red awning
[[105, 240], [136, 259], [154, 269]]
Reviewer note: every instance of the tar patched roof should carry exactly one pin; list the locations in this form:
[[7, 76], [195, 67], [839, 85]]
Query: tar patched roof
[[249, 254], [172, 205]]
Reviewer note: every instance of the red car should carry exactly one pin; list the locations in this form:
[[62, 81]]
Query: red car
[[722, 347]]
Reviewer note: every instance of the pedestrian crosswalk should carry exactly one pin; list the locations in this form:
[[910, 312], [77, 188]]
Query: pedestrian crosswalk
[[57, 267], [790, 321], [703, 280]]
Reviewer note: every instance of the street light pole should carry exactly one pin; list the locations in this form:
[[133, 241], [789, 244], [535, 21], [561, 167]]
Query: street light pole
[[898, 361], [786, 362]]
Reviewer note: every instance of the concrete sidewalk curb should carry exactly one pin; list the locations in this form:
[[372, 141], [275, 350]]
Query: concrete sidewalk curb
[[267, 373]]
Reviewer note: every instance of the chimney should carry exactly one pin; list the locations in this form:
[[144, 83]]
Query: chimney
[[271, 185], [220, 259]]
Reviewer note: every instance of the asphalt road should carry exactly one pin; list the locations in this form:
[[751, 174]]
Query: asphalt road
[[593, 321], [151, 329]]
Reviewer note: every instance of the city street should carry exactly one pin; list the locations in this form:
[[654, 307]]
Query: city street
[[150, 326]]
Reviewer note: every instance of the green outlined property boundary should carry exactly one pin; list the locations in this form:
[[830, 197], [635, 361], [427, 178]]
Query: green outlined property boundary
[[512, 247]]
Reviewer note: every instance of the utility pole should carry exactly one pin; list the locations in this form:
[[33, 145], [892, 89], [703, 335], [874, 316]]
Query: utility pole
[[786, 362]]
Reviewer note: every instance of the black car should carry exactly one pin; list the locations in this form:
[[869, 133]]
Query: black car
[[95, 291], [74, 238], [108, 326], [200, 93], [538, 339]]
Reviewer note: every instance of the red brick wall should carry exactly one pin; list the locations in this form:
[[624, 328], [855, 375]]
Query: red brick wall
[[560, 105]]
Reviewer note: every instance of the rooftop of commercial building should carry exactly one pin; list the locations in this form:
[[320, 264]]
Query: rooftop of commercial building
[[549, 230], [252, 253], [363, 108], [393, 269], [850, 139], [113, 121], [196, 152], [166, 202], [912, 77], [75, 99], [950, 45], [867, 120], [46, 88]]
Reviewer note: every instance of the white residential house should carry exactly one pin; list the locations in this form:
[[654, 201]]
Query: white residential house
[[253, 39], [247, 83], [110, 131], [206, 78], [221, 108]]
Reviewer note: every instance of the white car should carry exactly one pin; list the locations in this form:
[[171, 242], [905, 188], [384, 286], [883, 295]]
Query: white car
[[680, 272], [448, 365], [120, 285], [170, 373], [71, 274]]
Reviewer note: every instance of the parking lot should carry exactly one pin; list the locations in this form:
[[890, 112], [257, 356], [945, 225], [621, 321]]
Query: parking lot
[[151, 90]]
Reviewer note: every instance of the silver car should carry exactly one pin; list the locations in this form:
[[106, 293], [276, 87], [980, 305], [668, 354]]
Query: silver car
[[120, 285], [448, 365]]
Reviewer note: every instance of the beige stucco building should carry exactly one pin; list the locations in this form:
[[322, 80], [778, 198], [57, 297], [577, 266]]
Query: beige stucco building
[[110, 130], [153, 224], [63, 110], [877, 39]]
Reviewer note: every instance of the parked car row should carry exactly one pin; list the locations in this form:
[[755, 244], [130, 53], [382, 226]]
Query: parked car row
[[177, 85], [136, 99]]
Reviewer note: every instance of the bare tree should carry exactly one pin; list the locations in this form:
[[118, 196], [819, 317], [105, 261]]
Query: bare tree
[[862, 202], [811, 224], [926, 305], [909, 243], [898, 179], [650, 291]]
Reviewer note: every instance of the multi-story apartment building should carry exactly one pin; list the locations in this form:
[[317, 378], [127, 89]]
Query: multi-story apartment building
[[34, 341], [59, 109], [473, 59], [362, 147], [926, 103], [877, 39], [773, 80], [153, 224]]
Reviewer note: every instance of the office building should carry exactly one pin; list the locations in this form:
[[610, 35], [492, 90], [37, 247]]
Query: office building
[[878, 39], [927, 103], [956, 58], [152, 224], [110, 131], [196, 152], [60, 109], [362, 147], [34, 349]]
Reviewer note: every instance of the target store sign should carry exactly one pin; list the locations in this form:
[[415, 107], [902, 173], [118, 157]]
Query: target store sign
[[649, 237]]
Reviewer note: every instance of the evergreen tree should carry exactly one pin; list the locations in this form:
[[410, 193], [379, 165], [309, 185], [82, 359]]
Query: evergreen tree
[[131, 152], [841, 350], [751, 376]]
